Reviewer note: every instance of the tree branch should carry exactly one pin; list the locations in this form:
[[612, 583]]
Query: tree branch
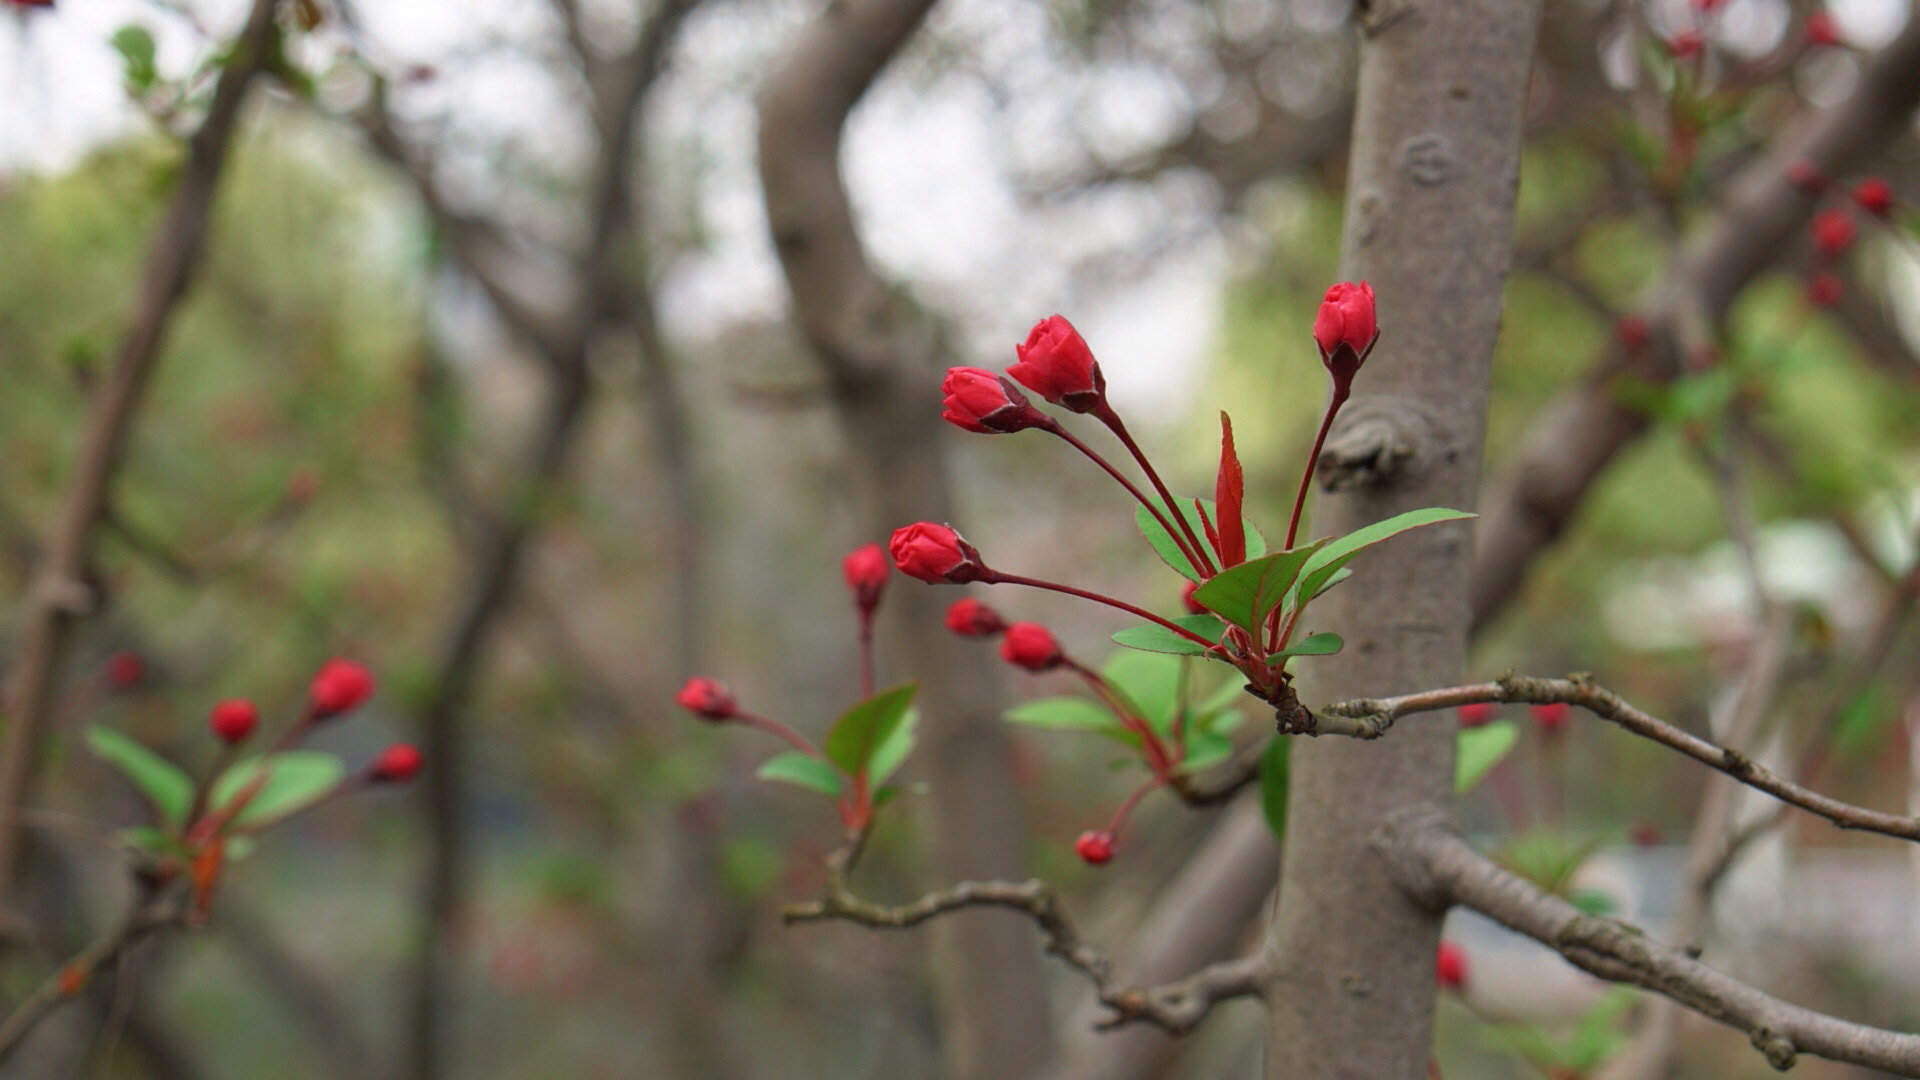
[[1437, 866], [1369, 718], [57, 598], [1176, 1008]]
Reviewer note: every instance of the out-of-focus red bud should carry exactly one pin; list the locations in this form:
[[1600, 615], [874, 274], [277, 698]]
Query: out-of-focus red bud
[[1056, 363], [1825, 290], [1822, 29], [1478, 714], [397, 764], [1875, 196], [126, 670], [1806, 176], [1645, 834], [866, 570], [338, 686], [934, 554], [1833, 232], [234, 719], [709, 699], [971, 618], [1095, 848], [1552, 717], [1632, 332], [1687, 44], [1194, 607], [1450, 966], [1031, 646]]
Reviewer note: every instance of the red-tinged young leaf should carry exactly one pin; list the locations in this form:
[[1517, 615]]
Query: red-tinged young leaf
[[1206, 523], [1229, 491], [1244, 594]]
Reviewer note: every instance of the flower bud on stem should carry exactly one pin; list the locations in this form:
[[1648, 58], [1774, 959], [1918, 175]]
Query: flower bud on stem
[[995, 577]]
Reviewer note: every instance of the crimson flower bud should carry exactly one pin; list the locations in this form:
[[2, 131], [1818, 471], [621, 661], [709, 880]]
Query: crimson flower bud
[[1632, 332], [1686, 45], [979, 400], [1056, 363], [1344, 329], [126, 670], [1551, 717], [338, 686], [1825, 290], [1706, 7], [1194, 607], [1478, 714], [708, 699], [397, 764], [1833, 232], [971, 618], [866, 570], [1450, 966], [234, 719], [935, 554], [1804, 175], [1095, 848], [1822, 29], [1031, 646], [1875, 196], [1645, 834]]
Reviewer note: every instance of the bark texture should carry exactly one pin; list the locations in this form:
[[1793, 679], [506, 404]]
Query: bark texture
[[882, 361], [1429, 221]]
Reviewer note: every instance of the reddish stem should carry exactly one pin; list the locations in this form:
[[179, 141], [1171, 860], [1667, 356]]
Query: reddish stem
[[1107, 416], [1158, 758], [1165, 525], [1121, 815], [1338, 399], [780, 730], [995, 577], [866, 652]]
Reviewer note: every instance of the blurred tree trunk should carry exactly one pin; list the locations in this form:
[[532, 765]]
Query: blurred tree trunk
[[882, 360], [1429, 220]]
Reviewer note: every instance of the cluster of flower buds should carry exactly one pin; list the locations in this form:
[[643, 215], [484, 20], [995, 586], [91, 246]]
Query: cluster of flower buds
[[1834, 230], [1551, 718]]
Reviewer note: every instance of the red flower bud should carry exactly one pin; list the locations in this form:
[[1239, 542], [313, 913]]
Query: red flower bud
[[1822, 29], [1645, 834], [1686, 45], [934, 554], [1095, 848], [397, 764], [1344, 329], [234, 719], [30, 3], [1875, 196], [866, 570], [126, 670], [1478, 714], [709, 699], [1450, 966], [338, 686], [1194, 607], [1551, 717], [971, 618], [1632, 332], [302, 486], [1056, 363], [1833, 232], [1031, 646], [979, 400], [1804, 175], [1825, 290], [1706, 7]]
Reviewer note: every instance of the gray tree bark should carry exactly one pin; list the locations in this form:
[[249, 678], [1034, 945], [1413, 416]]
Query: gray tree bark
[[1429, 221]]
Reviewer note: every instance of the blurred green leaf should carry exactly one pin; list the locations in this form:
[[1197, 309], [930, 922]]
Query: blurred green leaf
[[135, 45], [163, 783], [294, 780], [803, 770], [859, 733], [1479, 749], [1273, 784], [893, 752], [1545, 857]]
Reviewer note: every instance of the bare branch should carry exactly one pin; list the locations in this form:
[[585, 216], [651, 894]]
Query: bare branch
[[1176, 1008], [1435, 863], [1369, 718]]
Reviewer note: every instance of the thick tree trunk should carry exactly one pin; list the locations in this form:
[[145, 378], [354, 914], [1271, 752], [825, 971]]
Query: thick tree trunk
[[1429, 222]]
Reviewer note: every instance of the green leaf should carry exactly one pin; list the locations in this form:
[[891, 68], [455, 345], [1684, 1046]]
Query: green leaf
[[1319, 571], [1205, 749], [162, 782], [803, 770], [859, 733], [1244, 594], [1546, 858], [1152, 682], [295, 780], [1593, 902], [1067, 714], [1273, 784], [893, 753], [135, 46], [151, 840], [1152, 637], [1324, 644], [1339, 576], [1479, 750], [1170, 552]]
